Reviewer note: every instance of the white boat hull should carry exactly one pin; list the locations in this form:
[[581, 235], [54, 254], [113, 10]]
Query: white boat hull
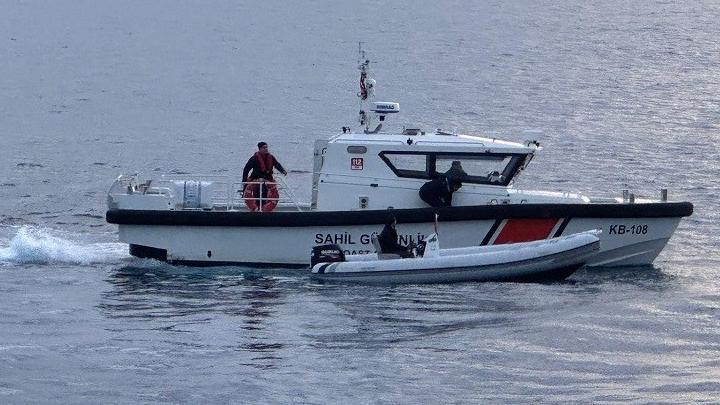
[[625, 241]]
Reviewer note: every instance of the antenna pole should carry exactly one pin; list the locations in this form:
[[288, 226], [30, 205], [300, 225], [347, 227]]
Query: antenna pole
[[366, 87]]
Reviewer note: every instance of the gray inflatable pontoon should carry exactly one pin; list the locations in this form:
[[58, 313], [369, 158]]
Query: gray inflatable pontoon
[[545, 260]]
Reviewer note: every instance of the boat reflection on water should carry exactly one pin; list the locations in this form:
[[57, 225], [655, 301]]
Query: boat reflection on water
[[181, 304], [649, 277], [362, 316], [266, 319]]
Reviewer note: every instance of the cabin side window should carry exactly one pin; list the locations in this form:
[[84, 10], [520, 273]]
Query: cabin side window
[[478, 168], [481, 169], [358, 150], [413, 165]]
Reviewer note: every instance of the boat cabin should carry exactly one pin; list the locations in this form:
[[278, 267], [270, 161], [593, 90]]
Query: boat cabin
[[377, 171]]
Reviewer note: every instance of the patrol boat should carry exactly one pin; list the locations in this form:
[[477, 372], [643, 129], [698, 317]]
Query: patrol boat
[[360, 174]]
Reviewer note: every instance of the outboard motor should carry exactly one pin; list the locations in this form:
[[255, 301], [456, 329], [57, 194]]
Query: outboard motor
[[326, 254]]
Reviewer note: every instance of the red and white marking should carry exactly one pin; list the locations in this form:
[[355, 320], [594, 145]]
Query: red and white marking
[[525, 230]]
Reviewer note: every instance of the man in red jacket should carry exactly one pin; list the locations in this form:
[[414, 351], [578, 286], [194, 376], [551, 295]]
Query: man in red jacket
[[261, 164]]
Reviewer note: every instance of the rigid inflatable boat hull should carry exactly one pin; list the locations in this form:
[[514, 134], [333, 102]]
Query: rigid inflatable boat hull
[[513, 263]]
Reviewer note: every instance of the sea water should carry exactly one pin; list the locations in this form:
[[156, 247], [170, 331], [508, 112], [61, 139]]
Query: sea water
[[622, 95]]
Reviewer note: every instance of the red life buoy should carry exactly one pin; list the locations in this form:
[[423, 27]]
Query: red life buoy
[[270, 200]]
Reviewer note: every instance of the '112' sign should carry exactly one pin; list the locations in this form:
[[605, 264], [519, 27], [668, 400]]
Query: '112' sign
[[356, 163]]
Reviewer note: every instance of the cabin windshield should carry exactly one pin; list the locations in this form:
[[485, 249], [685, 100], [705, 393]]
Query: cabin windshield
[[478, 168]]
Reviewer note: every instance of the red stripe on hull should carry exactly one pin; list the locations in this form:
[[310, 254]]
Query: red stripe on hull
[[525, 230]]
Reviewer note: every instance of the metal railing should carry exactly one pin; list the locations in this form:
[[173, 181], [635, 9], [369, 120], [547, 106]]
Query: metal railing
[[282, 187], [225, 193]]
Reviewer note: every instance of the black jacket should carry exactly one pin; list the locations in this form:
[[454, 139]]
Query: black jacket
[[388, 240], [436, 192], [257, 173]]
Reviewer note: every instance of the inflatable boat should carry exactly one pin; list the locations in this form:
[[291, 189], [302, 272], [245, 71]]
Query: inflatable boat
[[546, 260]]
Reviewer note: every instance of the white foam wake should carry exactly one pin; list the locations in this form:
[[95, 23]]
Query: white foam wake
[[37, 245]]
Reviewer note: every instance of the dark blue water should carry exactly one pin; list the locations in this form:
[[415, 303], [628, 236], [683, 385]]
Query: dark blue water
[[623, 95]]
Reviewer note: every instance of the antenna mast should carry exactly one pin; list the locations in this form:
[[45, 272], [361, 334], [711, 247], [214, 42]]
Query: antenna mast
[[367, 88], [370, 110]]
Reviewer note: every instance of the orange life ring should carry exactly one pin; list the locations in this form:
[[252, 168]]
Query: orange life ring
[[270, 200]]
